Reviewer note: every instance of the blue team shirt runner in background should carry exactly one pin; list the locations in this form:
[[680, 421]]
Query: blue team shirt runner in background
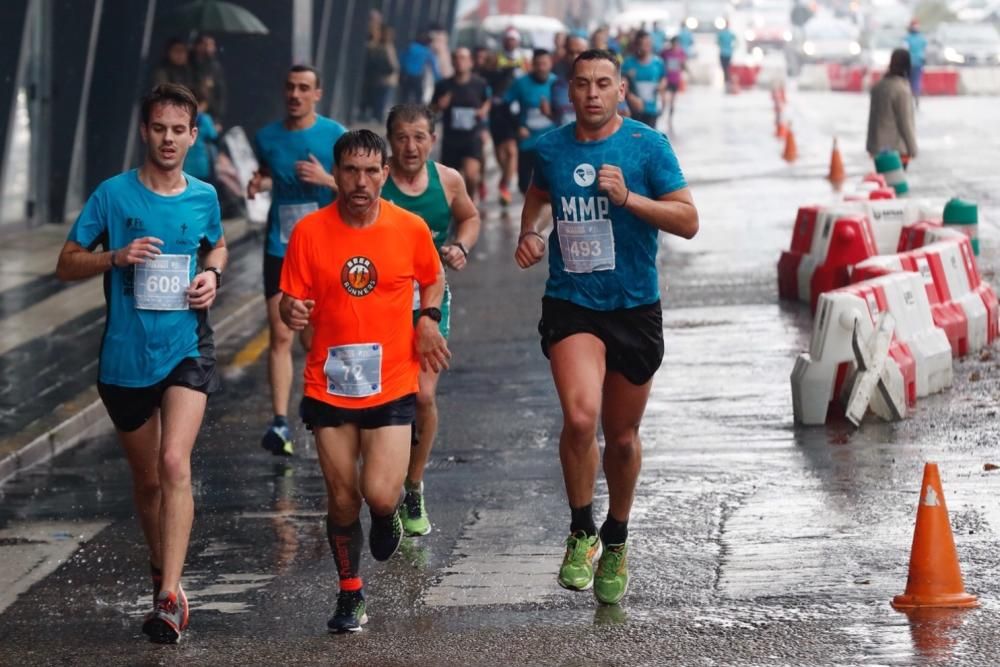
[[141, 347], [279, 149], [567, 169], [646, 78], [529, 93]]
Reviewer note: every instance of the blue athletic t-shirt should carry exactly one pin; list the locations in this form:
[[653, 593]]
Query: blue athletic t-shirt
[[645, 79], [567, 169], [279, 148], [529, 93], [141, 347]]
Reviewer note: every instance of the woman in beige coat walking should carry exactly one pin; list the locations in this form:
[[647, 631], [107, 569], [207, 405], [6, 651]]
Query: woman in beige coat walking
[[890, 117]]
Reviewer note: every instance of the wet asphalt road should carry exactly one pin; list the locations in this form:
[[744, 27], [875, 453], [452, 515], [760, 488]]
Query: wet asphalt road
[[753, 542]]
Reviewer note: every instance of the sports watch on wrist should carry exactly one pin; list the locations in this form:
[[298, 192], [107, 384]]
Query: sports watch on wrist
[[218, 275], [433, 313]]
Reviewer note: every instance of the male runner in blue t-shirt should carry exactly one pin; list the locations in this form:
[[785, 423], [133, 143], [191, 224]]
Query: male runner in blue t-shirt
[[647, 77], [162, 263], [532, 93], [296, 157], [613, 185]]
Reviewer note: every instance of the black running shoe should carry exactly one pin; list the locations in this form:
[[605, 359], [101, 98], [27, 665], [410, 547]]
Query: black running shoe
[[385, 536], [350, 614]]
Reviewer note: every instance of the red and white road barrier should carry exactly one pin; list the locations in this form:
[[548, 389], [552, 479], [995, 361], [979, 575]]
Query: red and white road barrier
[[919, 349], [826, 242], [935, 80], [962, 304]]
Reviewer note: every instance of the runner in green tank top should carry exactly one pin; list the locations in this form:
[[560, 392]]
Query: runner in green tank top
[[438, 195]]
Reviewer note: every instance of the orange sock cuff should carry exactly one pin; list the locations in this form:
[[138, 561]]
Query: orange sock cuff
[[352, 584]]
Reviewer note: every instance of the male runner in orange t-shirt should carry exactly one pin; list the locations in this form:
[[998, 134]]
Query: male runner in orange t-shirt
[[349, 273]]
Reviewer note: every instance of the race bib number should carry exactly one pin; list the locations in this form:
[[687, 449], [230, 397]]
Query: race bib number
[[162, 283], [463, 118], [646, 90], [536, 120], [289, 216], [673, 65], [354, 371], [586, 246]]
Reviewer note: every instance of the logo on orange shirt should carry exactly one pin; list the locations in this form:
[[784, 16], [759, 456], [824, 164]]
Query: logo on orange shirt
[[358, 276]]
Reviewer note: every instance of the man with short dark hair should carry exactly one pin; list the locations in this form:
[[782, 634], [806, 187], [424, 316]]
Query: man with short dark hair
[[533, 95], [349, 274], [613, 184], [163, 258], [646, 75], [296, 159], [437, 194]]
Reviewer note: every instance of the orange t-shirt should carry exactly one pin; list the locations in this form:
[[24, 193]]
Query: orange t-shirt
[[362, 351]]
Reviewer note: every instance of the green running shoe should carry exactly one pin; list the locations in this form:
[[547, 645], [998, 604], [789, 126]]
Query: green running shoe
[[611, 580], [415, 521], [577, 570]]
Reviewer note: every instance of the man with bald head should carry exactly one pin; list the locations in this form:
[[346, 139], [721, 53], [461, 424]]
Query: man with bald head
[[463, 101]]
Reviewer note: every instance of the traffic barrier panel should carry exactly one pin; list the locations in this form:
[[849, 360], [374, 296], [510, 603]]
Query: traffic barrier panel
[[924, 233], [788, 264], [939, 81], [906, 299], [846, 78], [850, 242], [819, 376], [947, 315], [979, 81], [744, 75], [814, 77]]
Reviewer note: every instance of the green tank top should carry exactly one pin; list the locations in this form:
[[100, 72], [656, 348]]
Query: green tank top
[[431, 204]]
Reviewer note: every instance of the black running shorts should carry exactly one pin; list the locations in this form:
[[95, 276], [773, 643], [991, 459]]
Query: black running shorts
[[455, 151], [632, 337], [503, 126], [400, 412], [131, 407], [272, 275]]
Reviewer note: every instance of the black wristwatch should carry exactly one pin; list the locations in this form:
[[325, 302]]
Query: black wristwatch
[[218, 275], [433, 313]]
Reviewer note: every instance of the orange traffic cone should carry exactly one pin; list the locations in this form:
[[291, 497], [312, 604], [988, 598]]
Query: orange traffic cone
[[791, 150], [935, 579], [836, 175]]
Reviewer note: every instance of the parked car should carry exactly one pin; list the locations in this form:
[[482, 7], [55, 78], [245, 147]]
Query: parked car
[[964, 44], [769, 26], [707, 15], [881, 43], [824, 40], [537, 32]]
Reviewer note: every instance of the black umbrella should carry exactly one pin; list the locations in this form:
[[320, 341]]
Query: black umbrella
[[215, 16]]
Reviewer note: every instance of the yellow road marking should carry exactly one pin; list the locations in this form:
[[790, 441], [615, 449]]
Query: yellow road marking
[[251, 351]]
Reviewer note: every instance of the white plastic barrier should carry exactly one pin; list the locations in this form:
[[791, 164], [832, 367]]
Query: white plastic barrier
[[825, 220], [814, 77], [814, 376], [906, 299], [979, 80], [946, 269]]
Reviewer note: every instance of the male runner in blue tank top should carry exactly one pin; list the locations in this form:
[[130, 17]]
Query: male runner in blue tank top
[[162, 262], [613, 184], [296, 157]]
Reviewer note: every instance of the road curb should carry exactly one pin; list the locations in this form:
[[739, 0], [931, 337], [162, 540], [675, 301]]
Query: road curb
[[92, 420]]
